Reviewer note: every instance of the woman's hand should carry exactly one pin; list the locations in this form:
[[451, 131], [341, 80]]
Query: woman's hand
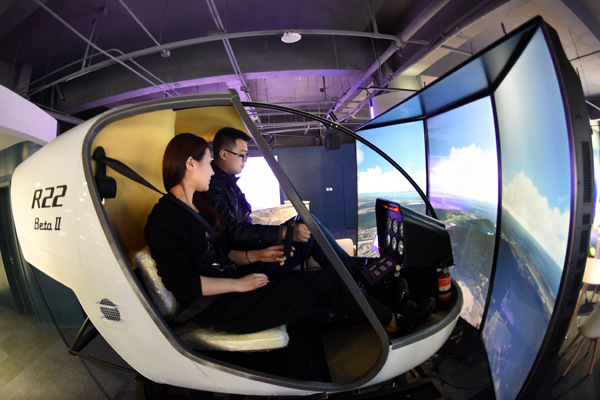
[[269, 254], [251, 282]]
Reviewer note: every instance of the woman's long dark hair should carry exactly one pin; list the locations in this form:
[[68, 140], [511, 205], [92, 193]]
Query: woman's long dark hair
[[176, 154]]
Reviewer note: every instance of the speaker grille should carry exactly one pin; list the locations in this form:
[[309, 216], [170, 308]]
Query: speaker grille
[[585, 242], [586, 219], [588, 185], [109, 310]]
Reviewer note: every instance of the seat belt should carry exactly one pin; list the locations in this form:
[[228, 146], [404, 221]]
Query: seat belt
[[200, 303], [120, 167], [100, 156]]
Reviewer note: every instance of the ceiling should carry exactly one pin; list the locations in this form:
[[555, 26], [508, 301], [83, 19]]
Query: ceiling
[[76, 59]]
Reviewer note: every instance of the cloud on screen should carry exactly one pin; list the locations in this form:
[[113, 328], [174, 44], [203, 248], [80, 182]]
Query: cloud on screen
[[468, 172], [547, 225], [374, 180]]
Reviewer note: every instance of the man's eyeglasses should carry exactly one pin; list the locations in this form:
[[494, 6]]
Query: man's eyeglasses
[[244, 157]]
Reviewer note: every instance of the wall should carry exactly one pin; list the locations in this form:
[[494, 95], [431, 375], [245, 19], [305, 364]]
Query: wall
[[18, 289], [325, 178], [13, 285]]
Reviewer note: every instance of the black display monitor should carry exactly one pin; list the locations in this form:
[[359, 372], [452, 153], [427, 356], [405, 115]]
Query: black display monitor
[[412, 239]]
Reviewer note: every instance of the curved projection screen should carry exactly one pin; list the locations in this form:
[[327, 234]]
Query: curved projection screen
[[463, 171], [379, 179], [509, 171], [535, 216]]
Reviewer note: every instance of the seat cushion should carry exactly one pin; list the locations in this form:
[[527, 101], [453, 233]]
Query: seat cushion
[[195, 336], [162, 298], [208, 339]]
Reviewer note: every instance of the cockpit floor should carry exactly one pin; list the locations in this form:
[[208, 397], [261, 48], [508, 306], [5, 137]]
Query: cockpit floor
[[351, 351]]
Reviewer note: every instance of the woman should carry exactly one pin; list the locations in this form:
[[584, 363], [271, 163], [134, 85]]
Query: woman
[[192, 261]]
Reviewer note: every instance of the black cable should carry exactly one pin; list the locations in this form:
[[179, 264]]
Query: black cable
[[459, 387]]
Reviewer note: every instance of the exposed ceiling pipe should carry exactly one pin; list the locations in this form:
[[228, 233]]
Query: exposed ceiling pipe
[[592, 105], [208, 39], [115, 59], [275, 125], [236, 68], [301, 130], [212, 38], [429, 47], [87, 48], [169, 86], [62, 117], [361, 104], [452, 49], [428, 12], [55, 83], [164, 53], [355, 109], [421, 19], [126, 7], [83, 61], [373, 20]]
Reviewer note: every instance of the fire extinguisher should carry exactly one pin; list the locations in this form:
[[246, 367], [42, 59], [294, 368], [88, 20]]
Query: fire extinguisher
[[444, 288]]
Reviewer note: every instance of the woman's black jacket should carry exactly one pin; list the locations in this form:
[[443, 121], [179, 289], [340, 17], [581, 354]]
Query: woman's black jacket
[[183, 250]]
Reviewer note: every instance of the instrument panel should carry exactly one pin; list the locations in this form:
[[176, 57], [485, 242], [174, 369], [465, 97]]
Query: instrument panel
[[407, 239], [390, 231], [393, 234]]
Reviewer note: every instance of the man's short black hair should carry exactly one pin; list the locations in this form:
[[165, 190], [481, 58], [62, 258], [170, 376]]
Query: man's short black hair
[[226, 137]]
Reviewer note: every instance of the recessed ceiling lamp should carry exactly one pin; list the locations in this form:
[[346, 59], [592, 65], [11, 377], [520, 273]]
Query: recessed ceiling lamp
[[290, 37]]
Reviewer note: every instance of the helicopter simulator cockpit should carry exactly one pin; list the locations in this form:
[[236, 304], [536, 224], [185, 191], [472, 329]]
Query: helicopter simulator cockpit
[[99, 251], [440, 191]]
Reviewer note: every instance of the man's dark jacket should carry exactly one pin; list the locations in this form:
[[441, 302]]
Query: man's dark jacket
[[229, 201]]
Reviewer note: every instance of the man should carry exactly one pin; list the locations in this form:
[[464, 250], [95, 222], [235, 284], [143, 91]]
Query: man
[[230, 151]]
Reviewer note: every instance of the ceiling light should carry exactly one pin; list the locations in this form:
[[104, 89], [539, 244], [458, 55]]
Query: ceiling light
[[290, 37]]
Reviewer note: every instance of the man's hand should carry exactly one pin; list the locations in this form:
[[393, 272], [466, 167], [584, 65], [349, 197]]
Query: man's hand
[[301, 233], [251, 282], [269, 254]]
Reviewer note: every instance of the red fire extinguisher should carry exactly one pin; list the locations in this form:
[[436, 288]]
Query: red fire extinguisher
[[444, 288]]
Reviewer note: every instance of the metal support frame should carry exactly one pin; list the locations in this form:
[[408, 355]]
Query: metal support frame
[[86, 334]]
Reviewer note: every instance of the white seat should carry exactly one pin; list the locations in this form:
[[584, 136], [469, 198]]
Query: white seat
[[589, 328], [208, 339], [195, 336]]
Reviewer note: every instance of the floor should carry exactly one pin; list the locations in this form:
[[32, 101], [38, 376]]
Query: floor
[[35, 364]]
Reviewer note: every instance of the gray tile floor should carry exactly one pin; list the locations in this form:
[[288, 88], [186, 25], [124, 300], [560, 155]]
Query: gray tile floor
[[35, 364]]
